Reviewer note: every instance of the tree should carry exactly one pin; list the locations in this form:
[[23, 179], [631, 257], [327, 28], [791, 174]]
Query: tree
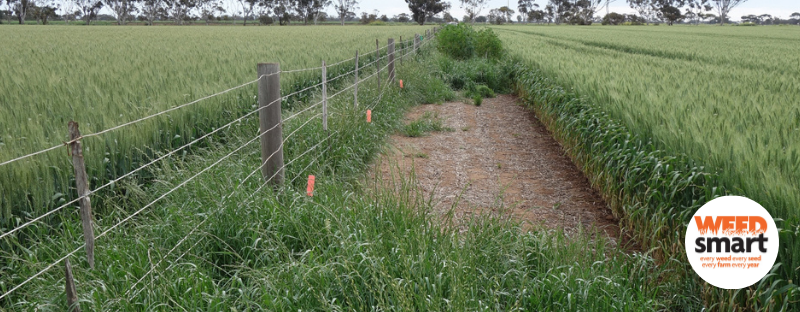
[[581, 12], [473, 8], [179, 9], [481, 19], [724, 7], [89, 9], [613, 18], [796, 17], [449, 18], [282, 9], [310, 9], [208, 8], [709, 17], [249, 6], [764, 18], [421, 10], [646, 8], [559, 9], [608, 4], [696, 8], [496, 17], [346, 8], [403, 18], [507, 13], [122, 9], [152, 9], [669, 10], [21, 8], [44, 12], [367, 18], [536, 16], [670, 14], [318, 9], [525, 7]]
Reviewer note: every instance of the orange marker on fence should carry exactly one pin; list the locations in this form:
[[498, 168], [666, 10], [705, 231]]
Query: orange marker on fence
[[310, 189], [401, 83], [369, 115]]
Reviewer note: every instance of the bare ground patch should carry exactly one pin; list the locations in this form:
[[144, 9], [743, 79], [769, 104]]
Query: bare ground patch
[[499, 159]]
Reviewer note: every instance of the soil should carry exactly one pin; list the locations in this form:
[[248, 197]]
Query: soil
[[497, 159]]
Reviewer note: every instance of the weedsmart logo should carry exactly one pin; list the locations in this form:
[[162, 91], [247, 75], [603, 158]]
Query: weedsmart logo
[[732, 242]]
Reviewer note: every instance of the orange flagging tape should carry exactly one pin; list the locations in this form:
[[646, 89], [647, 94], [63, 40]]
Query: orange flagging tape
[[401, 83], [369, 115], [310, 189]]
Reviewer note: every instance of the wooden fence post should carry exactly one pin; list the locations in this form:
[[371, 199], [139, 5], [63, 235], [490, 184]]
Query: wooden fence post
[[355, 86], [72, 294], [390, 50], [269, 117], [324, 97], [82, 183], [378, 62], [402, 50]]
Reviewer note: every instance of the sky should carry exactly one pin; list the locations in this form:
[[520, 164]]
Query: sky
[[780, 8]]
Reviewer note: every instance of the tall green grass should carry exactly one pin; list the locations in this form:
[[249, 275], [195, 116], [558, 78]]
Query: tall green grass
[[105, 76], [654, 184], [362, 243], [726, 97]]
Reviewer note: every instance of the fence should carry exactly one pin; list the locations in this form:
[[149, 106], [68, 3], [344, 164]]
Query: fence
[[270, 137]]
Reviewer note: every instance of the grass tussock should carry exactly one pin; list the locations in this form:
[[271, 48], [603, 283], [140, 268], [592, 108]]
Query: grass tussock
[[429, 122]]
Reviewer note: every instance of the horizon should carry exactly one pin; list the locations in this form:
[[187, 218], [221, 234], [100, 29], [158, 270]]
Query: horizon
[[777, 8]]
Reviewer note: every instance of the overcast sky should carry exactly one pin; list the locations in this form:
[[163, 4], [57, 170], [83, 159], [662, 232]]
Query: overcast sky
[[780, 8]]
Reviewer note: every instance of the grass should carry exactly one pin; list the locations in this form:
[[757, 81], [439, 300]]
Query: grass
[[720, 95], [670, 128], [429, 122], [358, 244], [105, 76]]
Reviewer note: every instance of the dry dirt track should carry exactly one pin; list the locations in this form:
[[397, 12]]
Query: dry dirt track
[[499, 159]]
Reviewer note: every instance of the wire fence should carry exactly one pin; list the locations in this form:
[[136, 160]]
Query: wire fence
[[407, 48]]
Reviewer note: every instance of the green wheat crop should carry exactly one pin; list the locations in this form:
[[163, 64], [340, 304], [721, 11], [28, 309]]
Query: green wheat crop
[[102, 77]]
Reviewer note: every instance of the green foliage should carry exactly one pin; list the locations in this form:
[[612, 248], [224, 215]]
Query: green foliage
[[488, 45], [265, 20], [462, 42], [429, 122], [480, 90], [477, 100], [613, 18], [746, 24], [457, 41], [496, 75]]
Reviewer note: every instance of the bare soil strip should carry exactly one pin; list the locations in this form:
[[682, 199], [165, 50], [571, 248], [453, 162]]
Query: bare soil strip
[[500, 160]]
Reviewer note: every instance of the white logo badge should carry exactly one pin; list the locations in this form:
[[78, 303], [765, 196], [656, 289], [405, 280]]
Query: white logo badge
[[732, 242]]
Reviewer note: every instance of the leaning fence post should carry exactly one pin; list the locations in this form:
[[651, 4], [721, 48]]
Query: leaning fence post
[[390, 49], [416, 43], [269, 117], [72, 294], [82, 183], [378, 61], [355, 85]]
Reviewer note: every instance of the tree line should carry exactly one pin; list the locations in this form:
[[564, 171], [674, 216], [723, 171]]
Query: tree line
[[181, 11], [584, 12], [576, 12]]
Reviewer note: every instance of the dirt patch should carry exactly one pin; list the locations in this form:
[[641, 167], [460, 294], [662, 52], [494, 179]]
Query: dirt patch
[[498, 159]]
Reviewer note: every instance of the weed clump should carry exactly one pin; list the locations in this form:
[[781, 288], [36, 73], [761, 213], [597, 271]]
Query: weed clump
[[462, 42]]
